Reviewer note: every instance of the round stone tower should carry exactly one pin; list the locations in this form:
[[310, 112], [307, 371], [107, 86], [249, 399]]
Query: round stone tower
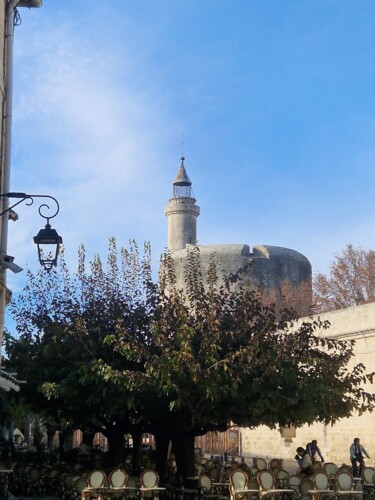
[[270, 266], [182, 213]]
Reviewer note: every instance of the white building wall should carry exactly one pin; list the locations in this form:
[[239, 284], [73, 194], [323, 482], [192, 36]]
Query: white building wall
[[356, 323]]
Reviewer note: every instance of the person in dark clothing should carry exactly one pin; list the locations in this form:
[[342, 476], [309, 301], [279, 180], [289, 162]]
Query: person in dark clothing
[[313, 450], [304, 461], [356, 457]]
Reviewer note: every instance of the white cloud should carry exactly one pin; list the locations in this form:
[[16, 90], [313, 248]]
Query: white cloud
[[89, 138]]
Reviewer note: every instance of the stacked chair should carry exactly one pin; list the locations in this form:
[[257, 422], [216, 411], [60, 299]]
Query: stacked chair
[[331, 470], [206, 488], [322, 486], [268, 487], [95, 485], [305, 487], [368, 480], [238, 486], [295, 484], [149, 485], [344, 486]]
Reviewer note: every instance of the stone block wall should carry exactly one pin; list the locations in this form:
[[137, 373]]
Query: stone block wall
[[357, 323]]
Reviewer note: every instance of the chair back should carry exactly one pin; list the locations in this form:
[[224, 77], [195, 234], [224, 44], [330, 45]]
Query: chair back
[[317, 466], [344, 481], [330, 469], [306, 486], [260, 463], [254, 471], [204, 484], [238, 480], [149, 479], [275, 463], [118, 478], [368, 474], [214, 472], [321, 480], [345, 468], [266, 480], [295, 483], [209, 463], [282, 478], [96, 478], [224, 478], [79, 484], [199, 470], [34, 474], [253, 484]]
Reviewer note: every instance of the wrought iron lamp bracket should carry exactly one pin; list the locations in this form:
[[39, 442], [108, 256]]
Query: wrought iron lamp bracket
[[29, 199]]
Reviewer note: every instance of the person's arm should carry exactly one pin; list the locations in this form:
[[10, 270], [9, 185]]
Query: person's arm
[[320, 453], [365, 452], [352, 451]]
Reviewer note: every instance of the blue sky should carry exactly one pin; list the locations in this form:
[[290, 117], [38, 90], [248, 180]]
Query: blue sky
[[275, 100]]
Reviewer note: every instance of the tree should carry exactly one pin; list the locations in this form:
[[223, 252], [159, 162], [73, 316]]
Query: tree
[[350, 280], [290, 296], [63, 319], [218, 356], [175, 363]]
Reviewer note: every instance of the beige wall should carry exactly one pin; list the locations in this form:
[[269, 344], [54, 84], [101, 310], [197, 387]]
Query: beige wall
[[356, 323]]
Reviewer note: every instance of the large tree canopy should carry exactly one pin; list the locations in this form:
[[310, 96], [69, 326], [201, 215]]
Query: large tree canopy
[[170, 362], [350, 280]]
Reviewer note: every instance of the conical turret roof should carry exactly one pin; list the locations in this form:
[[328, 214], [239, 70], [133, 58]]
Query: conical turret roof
[[182, 178]]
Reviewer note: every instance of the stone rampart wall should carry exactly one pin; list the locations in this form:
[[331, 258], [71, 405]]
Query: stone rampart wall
[[356, 323]]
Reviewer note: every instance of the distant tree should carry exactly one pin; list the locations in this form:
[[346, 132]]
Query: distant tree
[[290, 296], [350, 280]]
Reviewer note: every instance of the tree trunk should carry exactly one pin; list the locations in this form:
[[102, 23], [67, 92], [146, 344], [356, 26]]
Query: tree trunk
[[162, 445], [183, 447], [88, 438], [116, 442], [68, 438], [50, 436], [137, 449]]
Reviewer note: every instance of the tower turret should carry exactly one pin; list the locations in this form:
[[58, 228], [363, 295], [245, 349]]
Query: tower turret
[[182, 212]]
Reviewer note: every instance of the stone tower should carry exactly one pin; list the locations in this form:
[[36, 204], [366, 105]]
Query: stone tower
[[264, 266], [182, 213]]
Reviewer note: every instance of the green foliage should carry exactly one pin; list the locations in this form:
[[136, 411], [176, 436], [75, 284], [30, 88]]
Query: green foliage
[[63, 320], [218, 356], [105, 348]]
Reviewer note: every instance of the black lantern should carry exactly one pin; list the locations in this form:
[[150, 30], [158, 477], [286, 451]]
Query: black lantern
[[47, 236], [48, 243]]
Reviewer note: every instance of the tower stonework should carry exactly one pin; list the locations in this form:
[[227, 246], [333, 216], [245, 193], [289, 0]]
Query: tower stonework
[[182, 213], [265, 266]]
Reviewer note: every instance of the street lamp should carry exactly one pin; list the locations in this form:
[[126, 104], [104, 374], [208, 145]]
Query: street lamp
[[47, 240], [44, 241]]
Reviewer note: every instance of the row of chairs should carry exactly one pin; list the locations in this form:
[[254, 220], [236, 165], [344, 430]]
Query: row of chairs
[[319, 486], [119, 484], [77, 482]]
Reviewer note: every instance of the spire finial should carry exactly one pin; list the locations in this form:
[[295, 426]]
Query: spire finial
[[182, 149]]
